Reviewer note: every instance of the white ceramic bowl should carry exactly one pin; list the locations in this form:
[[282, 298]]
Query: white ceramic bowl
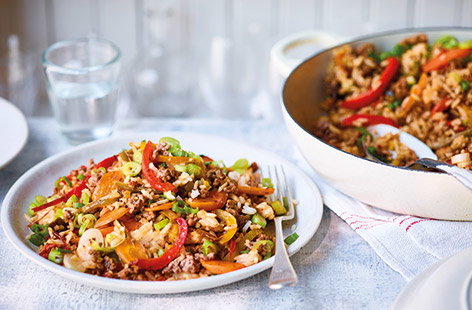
[[39, 180], [425, 194]]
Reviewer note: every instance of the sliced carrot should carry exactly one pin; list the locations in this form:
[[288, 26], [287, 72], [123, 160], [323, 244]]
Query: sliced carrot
[[106, 230], [219, 266], [107, 184], [258, 191], [130, 250], [215, 200], [164, 206], [110, 217]]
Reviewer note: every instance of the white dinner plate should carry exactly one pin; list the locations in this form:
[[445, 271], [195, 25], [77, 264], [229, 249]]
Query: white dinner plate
[[13, 131], [445, 285], [39, 180]]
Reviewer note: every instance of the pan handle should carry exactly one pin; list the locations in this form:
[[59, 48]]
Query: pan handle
[[284, 64]]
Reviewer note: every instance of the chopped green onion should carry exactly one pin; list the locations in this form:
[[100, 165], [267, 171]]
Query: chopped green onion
[[161, 224], [131, 168], [193, 169], [372, 151], [36, 239], [59, 213], [101, 169], [208, 247], [66, 179], [85, 225], [465, 44], [291, 239], [244, 252], [78, 205], [56, 256], [64, 250], [259, 220], [394, 105], [160, 252], [85, 198], [137, 156], [279, 209], [40, 229], [464, 85], [40, 200], [266, 182], [180, 168], [97, 247], [181, 206], [163, 165], [170, 141], [447, 41], [40, 233], [374, 56], [240, 166], [71, 200], [30, 209], [81, 177]]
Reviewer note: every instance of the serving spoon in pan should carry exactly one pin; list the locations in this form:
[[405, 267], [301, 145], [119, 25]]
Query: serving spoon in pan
[[427, 158]]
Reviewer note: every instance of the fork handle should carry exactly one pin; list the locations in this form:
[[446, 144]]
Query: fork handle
[[282, 273]]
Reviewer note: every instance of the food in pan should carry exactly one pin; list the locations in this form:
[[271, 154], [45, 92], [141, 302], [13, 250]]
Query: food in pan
[[421, 87], [157, 212]]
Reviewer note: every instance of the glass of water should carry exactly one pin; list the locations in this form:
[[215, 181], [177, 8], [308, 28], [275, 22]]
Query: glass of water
[[82, 83]]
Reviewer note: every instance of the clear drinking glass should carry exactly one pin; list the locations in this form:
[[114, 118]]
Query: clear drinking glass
[[82, 83]]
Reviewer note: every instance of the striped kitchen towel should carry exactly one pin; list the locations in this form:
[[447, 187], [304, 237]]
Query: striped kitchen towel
[[408, 244]]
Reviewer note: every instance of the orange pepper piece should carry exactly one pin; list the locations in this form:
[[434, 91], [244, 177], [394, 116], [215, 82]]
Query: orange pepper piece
[[107, 184], [258, 191], [220, 267], [131, 250]]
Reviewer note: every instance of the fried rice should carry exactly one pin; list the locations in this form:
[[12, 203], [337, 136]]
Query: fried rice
[[156, 212], [428, 97]]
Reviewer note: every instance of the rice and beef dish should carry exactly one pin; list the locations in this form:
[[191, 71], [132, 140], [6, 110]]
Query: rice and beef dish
[[421, 87], [156, 212]]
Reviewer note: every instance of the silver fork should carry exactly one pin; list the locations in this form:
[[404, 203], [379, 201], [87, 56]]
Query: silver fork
[[282, 273]]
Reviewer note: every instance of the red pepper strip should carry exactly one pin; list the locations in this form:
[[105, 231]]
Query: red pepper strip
[[440, 106], [149, 175], [163, 260], [232, 248], [77, 190], [368, 120], [444, 58], [375, 93]]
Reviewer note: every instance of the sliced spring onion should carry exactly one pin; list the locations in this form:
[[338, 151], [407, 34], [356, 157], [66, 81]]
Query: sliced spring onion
[[81, 177], [124, 156], [170, 141], [97, 247], [180, 168], [465, 44], [30, 209], [59, 213], [71, 200], [291, 239], [66, 179], [161, 224], [101, 169], [39, 200], [181, 206], [259, 220], [240, 166], [78, 205], [464, 85], [244, 252], [137, 156], [447, 41], [208, 247], [279, 209], [160, 252], [85, 198], [267, 182], [193, 169], [131, 168], [169, 195], [40, 229], [56, 256], [36, 239]]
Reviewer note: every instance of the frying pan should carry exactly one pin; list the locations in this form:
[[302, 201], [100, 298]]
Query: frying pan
[[420, 193]]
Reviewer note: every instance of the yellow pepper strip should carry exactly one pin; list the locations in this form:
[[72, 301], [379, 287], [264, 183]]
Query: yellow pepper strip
[[169, 214], [230, 222]]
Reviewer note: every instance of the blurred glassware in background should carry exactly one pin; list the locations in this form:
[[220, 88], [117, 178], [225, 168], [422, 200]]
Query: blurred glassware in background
[[234, 66], [160, 77], [82, 83], [18, 78]]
